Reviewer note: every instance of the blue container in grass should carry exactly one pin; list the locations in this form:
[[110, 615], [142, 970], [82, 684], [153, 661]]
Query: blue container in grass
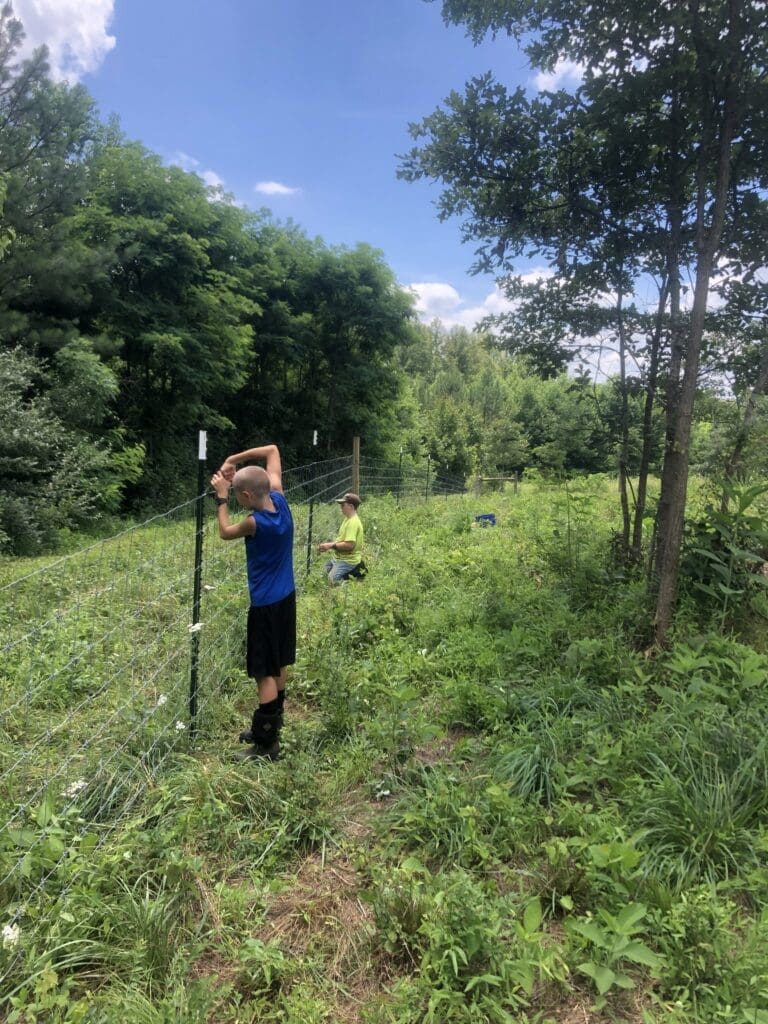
[[486, 519]]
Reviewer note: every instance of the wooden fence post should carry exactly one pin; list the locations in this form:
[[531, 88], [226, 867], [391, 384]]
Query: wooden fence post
[[356, 465]]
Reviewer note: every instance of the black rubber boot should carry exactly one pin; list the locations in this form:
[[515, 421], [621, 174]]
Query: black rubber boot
[[258, 753], [264, 737], [246, 736]]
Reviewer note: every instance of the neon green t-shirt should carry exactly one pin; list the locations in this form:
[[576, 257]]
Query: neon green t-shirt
[[351, 529]]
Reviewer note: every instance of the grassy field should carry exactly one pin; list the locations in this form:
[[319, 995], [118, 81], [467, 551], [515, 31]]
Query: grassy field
[[491, 805]]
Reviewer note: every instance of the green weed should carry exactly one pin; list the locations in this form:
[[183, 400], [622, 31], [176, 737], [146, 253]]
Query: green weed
[[699, 818]]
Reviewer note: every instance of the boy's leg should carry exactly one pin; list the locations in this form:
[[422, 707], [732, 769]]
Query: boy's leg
[[281, 681], [340, 571], [268, 716], [268, 687], [264, 734], [268, 704]]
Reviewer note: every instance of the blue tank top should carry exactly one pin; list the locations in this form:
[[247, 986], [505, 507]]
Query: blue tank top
[[269, 554]]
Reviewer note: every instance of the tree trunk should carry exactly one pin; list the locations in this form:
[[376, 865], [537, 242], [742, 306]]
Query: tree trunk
[[624, 427], [672, 391], [674, 481], [650, 398]]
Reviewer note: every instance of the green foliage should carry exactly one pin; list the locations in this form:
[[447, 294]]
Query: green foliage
[[486, 412], [53, 476], [49, 132], [614, 942], [700, 813], [712, 959], [711, 671], [262, 967], [474, 962], [532, 763], [727, 549], [457, 820]]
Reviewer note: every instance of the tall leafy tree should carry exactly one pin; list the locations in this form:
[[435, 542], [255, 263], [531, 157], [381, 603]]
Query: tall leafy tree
[[360, 316], [172, 310], [643, 171], [47, 133]]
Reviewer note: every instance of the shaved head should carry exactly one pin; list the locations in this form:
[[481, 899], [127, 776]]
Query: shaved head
[[253, 479]]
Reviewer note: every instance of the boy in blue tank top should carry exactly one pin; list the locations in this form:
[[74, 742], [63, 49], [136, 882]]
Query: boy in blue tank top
[[268, 535]]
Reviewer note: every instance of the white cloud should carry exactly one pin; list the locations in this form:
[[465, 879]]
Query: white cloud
[[435, 299], [441, 301], [211, 179], [275, 188], [185, 161], [191, 164], [75, 32], [536, 275], [565, 72]]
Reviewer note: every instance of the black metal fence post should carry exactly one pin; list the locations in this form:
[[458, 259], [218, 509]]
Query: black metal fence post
[[197, 586], [309, 533], [400, 474], [426, 487]]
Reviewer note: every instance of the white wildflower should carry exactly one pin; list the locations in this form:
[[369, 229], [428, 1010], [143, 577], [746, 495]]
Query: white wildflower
[[75, 787], [423, 652], [162, 699], [127, 855], [180, 727], [11, 934]]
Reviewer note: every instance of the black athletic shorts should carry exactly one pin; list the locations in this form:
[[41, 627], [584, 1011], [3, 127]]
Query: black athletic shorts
[[271, 642]]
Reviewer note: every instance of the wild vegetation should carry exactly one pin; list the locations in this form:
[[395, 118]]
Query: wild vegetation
[[491, 805], [514, 787]]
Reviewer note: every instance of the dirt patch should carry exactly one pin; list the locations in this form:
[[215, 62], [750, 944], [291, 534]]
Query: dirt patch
[[356, 818], [323, 912], [323, 902], [576, 1008], [441, 748], [212, 964]]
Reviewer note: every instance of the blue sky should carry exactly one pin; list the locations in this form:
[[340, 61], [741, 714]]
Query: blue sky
[[295, 105]]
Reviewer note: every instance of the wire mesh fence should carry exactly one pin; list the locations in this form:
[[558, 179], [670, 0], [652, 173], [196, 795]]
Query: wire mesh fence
[[98, 648]]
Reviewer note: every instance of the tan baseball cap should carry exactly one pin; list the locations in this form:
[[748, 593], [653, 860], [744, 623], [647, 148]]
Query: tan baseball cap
[[353, 499]]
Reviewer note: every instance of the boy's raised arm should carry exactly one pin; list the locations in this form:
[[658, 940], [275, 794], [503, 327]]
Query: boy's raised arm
[[269, 452]]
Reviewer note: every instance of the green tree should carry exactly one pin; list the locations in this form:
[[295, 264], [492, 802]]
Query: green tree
[[53, 476], [47, 134], [359, 317], [173, 310], [646, 169]]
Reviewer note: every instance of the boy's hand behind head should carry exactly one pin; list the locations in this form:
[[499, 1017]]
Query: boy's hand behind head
[[227, 471], [220, 484]]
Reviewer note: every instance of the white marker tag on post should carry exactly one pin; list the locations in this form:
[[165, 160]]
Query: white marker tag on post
[[202, 439]]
